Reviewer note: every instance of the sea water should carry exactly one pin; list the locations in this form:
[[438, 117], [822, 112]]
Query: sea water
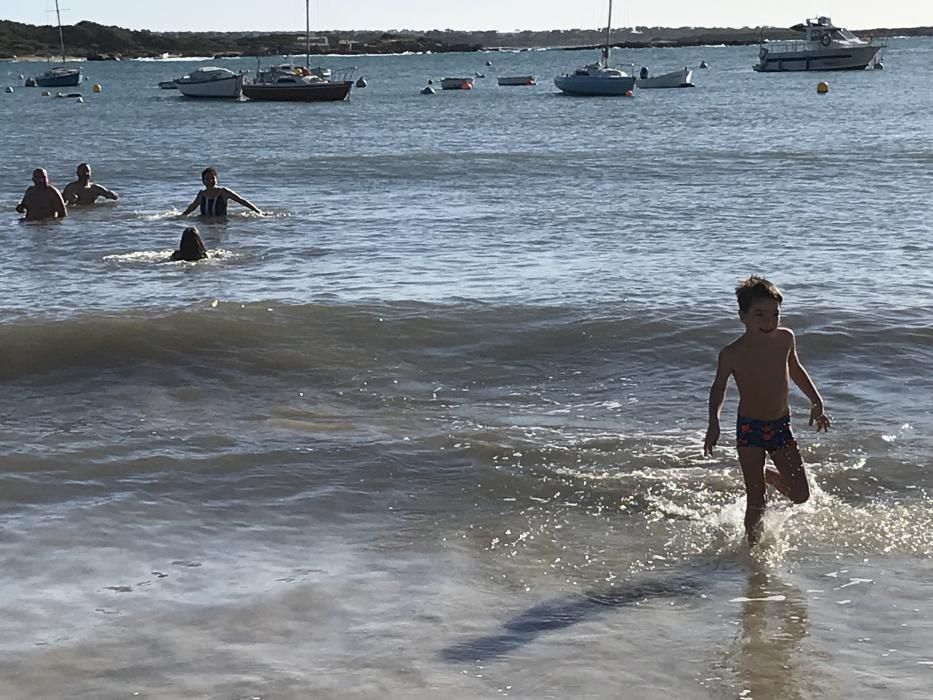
[[432, 427]]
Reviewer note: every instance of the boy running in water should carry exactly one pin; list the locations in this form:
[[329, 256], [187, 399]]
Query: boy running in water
[[761, 361]]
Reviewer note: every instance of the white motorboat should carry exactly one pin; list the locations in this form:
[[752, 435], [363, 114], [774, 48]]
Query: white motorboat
[[675, 79], [457, 83], [597, 78], [210, 81], [824, 47], [507, 80]]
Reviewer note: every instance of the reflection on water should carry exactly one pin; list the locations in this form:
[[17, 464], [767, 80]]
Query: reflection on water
[[767, 658]]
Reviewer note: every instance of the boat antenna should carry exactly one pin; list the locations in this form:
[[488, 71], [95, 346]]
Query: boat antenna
[[608, 30], [308, 34], [61, 37]]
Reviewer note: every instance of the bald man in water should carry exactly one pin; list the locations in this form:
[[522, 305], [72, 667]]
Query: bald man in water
[[83, 191], [42, 200]]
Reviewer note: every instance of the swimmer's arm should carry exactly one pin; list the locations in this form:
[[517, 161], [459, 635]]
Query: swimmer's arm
[[59, 206], [802, 379], [239, 200], [194, 205], [102, 191], [69, 195], [23, 206], [717, 394]]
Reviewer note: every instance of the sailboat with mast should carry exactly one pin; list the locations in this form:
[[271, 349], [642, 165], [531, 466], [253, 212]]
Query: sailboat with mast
[[597, 78], [287, 83], [59, 76]]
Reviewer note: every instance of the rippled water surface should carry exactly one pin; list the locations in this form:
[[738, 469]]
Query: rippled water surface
[[432, 426]]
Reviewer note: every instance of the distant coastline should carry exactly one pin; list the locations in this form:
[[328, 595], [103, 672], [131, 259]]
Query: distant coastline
[[93, 41]]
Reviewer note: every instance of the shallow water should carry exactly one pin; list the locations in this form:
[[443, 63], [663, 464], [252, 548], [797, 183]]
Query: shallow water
[[433, 427]]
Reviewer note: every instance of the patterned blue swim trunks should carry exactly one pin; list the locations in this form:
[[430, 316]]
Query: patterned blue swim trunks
[[767, 434]]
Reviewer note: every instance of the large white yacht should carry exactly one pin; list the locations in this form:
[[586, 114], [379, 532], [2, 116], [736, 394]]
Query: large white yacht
[[824, 46]]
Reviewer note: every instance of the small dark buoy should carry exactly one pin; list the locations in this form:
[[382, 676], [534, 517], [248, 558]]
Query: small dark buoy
[[488, 63], [428, 90], [30, 82], [361, 83], [430, 82]]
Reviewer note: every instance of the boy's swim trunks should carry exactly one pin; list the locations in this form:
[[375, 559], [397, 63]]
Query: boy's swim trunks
[[767, 434]]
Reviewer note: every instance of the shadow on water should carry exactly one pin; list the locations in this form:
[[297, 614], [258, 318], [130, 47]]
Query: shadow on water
[[564, 612]]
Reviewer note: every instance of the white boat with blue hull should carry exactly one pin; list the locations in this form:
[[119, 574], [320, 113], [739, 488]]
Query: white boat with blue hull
[[823, 47], [597, 78]]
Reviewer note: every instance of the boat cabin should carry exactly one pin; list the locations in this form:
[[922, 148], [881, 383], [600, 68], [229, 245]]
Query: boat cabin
[[821, 30]]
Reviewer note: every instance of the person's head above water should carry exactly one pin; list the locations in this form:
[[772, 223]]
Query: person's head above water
[[209, 177], [191, 247]]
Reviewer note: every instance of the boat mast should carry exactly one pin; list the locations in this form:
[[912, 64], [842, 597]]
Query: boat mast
[[608, 30], [308, 34], [61, 37]]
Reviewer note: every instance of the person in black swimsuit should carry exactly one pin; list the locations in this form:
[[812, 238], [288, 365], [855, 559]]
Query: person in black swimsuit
[[213, 199]]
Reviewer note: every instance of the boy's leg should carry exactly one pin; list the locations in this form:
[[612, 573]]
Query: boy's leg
[[790, 478], [752, 460]]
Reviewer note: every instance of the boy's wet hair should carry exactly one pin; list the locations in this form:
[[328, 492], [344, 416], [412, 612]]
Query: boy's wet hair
[[209, 171], [756, 288]]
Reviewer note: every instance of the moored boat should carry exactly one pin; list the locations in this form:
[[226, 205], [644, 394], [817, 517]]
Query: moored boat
[[517, 80], [675, 79], [457, 83], [299, 89], [289, 83], [824, 46], [597, 78], [58, 76], [210, 81]]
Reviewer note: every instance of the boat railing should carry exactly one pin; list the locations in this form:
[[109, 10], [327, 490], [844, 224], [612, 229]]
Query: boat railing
[[342, 75]]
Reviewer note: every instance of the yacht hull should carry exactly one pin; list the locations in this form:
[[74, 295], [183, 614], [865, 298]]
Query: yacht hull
[[223, 88], [590, 86], [68, 77], [330, 91], [842, 58]]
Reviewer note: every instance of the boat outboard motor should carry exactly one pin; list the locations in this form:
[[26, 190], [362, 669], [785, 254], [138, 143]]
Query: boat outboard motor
[[643, 75]]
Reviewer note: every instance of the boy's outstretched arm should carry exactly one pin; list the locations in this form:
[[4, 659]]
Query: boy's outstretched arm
[[802, 379], [717, 393]]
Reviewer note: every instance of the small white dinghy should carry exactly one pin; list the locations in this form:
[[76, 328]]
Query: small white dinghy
[[674, 79]]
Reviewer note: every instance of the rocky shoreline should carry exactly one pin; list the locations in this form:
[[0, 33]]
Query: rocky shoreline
[[95, 42]]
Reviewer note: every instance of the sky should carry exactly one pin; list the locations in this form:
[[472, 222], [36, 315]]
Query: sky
[[501, 15]]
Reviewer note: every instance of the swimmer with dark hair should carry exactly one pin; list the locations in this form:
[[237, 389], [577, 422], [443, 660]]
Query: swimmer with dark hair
[[191, 247]]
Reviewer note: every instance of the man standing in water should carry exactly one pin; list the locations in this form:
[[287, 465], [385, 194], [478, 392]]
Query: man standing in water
[[83, 191], [42, 200]]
